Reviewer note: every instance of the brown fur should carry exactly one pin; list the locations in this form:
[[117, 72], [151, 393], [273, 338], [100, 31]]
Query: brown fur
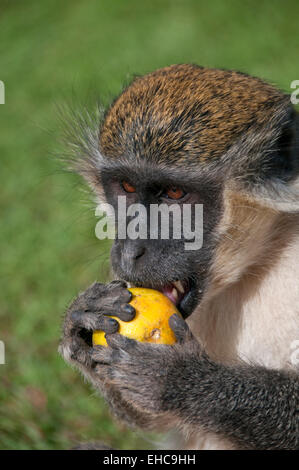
[[185, 111], [196, 119]]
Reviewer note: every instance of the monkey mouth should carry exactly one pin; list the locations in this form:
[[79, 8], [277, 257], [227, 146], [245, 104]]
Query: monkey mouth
[[182, 293], [175, 291]]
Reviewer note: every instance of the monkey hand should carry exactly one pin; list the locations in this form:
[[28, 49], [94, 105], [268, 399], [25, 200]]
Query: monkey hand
[[140, 379], [89, 312]]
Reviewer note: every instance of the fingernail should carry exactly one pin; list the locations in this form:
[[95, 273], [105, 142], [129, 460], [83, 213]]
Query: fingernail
[[129, 309], [131, 295], [174, 318]]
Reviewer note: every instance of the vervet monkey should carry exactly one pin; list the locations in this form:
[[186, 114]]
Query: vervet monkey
[[228, 141]]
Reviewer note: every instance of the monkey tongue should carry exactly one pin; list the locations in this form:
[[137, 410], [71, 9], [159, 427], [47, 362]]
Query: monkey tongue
[[172, 293]]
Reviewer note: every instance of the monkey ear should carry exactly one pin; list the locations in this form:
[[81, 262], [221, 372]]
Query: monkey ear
[[285, 162], [278, 187]]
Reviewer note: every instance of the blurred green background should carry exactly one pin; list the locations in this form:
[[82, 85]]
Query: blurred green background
[[50, 53]]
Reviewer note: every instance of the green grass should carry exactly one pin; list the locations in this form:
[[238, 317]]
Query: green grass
[[51, 51]]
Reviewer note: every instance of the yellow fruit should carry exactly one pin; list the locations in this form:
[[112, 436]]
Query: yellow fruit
[[153, 310]]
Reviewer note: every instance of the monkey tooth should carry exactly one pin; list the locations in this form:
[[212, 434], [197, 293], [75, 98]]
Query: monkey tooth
[[174, 290], [179, 286], [174, 293]]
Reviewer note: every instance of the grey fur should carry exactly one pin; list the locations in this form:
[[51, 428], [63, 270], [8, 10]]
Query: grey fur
[[156, 386]]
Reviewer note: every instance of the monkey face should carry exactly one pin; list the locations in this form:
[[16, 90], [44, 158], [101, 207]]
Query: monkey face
[[185, 134], [176, 266]]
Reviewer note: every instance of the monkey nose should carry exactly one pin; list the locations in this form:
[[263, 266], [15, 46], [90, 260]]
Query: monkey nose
[[130, 255]]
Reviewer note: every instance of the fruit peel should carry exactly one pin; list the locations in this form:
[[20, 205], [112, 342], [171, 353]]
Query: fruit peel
[[153, 310]]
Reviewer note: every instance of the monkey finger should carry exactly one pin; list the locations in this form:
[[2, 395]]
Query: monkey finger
[[106, 298], [117, 283], [81, 319], [120, 342], [107, 324], [125, 312], [101, 355], [81, 355], [76, 349], [180, 328], [90, 321], [122, 295]]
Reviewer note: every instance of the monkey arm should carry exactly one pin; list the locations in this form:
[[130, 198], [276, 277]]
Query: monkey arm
[[252, 406]]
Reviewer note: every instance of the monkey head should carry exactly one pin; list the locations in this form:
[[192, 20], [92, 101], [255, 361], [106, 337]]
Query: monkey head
[[186, 134]]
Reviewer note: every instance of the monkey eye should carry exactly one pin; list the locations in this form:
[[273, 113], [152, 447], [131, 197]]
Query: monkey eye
[[128, 187], [175, 193]]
